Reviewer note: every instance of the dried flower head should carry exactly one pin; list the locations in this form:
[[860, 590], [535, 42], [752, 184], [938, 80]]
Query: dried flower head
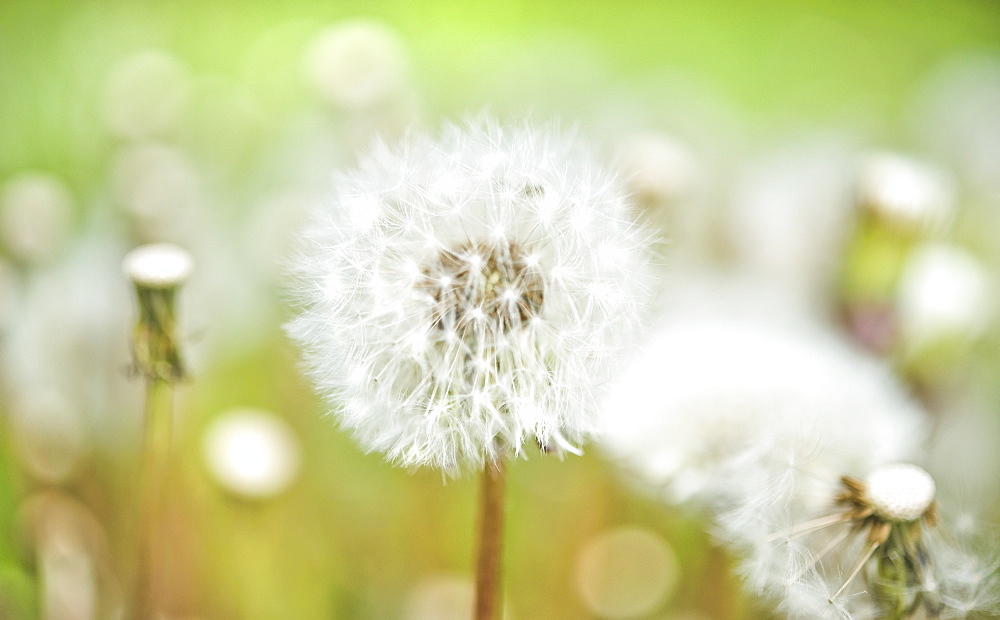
[[467, 295], [157, 270], [848, 547]]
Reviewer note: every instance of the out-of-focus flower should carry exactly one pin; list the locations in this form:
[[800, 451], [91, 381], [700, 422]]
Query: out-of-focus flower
[[627, 572], [252, 453], [158, 186], [707, 388], [668, 181], [944, 293], [35, 213], [958, 114], [10, 295], [906, 193], [157, 270], [146, 95], [467, 295], [660, 169], [790, 215], [442, 597], [66, 338], [50, 434], [357, 64], [72, 557], [158, 265]]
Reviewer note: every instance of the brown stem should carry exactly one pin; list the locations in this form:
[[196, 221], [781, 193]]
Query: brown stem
[[489, 601]]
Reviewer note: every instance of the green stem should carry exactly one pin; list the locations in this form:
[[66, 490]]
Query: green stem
[[156, 451]]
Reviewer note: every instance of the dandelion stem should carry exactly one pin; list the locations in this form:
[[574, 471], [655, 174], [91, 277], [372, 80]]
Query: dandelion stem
[[157, 440], [490, 551]]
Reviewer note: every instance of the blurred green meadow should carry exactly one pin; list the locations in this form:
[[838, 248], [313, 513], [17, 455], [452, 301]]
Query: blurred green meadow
[[208, 125]]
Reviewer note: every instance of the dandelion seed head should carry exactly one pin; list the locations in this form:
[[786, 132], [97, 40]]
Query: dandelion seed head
[[158, 265], [496, 289], [900, 491]]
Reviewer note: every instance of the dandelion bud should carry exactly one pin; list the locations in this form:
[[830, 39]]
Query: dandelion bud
[[943, 294], [906, 193], [157, 270], [35, 214]]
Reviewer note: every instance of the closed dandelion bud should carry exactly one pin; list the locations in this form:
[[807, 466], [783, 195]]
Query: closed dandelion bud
[[906, 193], [463, 298], [944, 298], [157, 271]]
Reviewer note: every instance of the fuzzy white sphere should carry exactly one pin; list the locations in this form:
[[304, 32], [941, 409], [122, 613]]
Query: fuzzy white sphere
[[907, 191], [158, 265], [944, 292], [465, 296], [252, 453], [900, 491]]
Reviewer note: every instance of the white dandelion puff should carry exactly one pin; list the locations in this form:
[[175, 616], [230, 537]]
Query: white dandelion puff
[[738, 382], [469, 295]]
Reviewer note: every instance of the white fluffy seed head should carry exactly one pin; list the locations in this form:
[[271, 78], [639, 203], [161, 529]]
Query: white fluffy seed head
[[900, 492], [472, 312], [158, 265]]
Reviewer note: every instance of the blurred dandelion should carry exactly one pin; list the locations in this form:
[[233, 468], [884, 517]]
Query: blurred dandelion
[[626, 572], [156, 270], [944, 294], [906, 192], [465, 297], [902, 202], [734, 381], [357, 64], [36, 210], [146, 95], [252, 453]]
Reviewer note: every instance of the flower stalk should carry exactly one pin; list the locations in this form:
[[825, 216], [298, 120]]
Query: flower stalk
[[157, 272], [489, 597]]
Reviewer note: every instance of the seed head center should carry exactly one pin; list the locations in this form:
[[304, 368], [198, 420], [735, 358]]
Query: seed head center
[[496, 287]]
